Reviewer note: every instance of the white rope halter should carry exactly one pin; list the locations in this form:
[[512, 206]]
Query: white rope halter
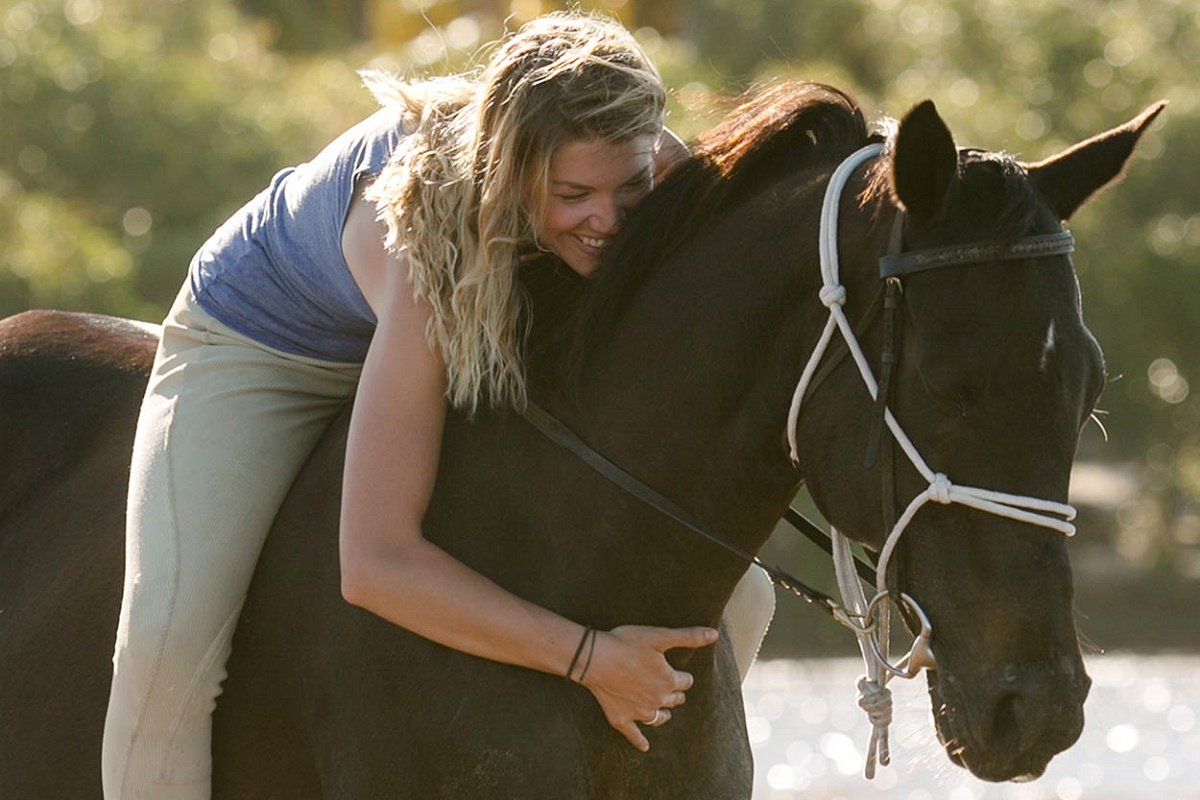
[[874, 696]]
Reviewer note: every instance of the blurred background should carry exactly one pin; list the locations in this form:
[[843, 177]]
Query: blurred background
[[130, 128]]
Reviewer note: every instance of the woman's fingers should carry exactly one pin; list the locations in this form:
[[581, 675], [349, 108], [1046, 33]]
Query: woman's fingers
[[661, 717], [635, 736], [664, 639]]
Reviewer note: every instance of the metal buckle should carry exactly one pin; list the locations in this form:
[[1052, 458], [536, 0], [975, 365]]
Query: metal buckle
[[920, 655]]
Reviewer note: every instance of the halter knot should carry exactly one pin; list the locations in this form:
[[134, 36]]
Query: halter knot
[[941, 487], [876, 700], [833, 295]]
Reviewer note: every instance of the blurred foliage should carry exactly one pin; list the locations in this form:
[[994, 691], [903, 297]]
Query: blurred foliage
[[130, 128]]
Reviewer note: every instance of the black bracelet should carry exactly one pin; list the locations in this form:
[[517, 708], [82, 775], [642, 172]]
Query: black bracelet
[[578, 651], [591, 651]]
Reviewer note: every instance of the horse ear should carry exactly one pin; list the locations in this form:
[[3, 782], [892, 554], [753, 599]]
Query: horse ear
[[1068, 179], [924, 163]]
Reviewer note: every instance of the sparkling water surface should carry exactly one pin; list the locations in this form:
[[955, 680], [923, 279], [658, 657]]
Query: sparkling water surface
[[1141, 737]]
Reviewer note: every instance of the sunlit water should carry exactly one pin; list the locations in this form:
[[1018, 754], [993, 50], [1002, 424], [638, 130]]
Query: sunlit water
[[1141, 739]]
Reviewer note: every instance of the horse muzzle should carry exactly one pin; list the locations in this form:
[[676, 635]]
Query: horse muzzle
[[1012, 722]]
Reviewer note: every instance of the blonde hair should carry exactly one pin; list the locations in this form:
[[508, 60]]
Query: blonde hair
[[462, 193]]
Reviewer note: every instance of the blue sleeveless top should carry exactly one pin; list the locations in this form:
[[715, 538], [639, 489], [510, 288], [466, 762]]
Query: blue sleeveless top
[[275, 270]]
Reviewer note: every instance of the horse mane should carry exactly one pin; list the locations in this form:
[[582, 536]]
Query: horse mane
[[772, 130]]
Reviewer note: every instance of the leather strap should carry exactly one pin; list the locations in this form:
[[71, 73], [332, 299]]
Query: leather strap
[[564, 437], [1050, 244]]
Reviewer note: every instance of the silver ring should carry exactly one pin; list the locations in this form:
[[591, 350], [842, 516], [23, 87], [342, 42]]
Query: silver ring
[[655, 720], [920, 656]]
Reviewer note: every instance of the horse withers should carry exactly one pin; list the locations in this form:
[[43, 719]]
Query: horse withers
[[676, 361]]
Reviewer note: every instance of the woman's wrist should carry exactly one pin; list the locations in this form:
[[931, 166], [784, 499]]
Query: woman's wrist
[[576, 665], [587, 665]]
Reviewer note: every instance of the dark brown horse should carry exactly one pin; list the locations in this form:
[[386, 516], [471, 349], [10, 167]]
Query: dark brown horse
[[677, 362]]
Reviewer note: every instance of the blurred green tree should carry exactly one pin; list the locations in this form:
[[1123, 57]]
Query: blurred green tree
[[130, 131]]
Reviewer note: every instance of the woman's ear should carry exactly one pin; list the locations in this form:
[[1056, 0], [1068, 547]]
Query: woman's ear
[[669, 152]]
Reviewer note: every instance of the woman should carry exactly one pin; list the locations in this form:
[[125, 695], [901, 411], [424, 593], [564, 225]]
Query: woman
[[386, 265]]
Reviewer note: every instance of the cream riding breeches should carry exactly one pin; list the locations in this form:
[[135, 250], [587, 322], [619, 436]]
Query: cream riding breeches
[[224, 428]]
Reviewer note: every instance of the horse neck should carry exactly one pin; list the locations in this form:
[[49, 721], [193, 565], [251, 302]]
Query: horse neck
[[691, 394]]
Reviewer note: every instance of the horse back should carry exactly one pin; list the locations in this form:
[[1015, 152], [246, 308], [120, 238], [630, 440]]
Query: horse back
[[323, 699], [65, 381], [69, 394]]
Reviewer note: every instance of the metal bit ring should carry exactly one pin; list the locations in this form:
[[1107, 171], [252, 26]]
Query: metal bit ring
[[920, 655]]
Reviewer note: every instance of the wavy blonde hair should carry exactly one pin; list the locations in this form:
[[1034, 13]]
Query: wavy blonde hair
[[463, 192]]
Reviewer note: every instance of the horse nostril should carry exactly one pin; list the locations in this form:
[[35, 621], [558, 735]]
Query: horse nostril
[[1006, 716], [1025, 722]]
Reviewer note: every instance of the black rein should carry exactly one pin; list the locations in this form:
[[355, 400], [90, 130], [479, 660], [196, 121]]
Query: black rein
[[563, 436]]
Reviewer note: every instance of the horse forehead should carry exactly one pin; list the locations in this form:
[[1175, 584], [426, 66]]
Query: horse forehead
[[980, 318]]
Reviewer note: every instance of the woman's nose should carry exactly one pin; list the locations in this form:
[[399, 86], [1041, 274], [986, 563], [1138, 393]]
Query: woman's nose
[[609, 215]]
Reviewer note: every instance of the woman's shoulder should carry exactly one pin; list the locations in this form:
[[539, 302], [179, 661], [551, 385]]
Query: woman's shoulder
[[363, 148], [374, 139], [388, 120]]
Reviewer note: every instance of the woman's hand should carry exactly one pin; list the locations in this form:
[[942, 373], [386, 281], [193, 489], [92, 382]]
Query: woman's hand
[[632, 680]]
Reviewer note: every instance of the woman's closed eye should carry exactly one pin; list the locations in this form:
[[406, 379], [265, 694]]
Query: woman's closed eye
[[642, 182]]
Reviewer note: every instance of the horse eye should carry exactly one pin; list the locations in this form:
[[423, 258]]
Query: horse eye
[[966, 400], [960, 399]]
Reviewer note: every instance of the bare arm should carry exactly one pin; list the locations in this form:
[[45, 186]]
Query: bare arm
[[390, 569]]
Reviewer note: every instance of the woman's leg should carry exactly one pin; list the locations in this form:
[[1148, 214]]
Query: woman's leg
[[224, 428], [747, 616]]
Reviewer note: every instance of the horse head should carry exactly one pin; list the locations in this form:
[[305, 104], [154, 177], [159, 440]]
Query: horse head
[[692, 336], [995, 375]]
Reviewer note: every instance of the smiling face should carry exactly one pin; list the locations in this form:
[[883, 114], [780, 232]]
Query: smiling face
[[591, 185]]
